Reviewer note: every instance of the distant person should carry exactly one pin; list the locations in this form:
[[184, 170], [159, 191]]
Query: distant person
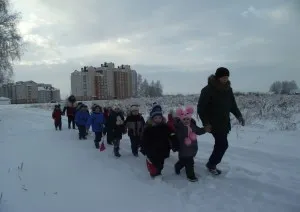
[[115, 128], [70, 107], [81, 119], [56, 115], [97, 121], [215, 104]]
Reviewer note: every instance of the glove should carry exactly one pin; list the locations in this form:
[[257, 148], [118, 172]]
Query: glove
[[242, 121]]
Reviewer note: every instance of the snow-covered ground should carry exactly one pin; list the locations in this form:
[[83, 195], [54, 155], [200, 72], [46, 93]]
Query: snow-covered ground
[[42, 170]]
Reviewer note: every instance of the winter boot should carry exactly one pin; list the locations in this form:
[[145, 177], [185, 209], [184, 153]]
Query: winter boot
[[97, 145], [116, 152], [213, 169], [192, 178], [177, 167]]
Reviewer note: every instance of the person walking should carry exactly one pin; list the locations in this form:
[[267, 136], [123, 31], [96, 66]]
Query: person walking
[[215, 104]]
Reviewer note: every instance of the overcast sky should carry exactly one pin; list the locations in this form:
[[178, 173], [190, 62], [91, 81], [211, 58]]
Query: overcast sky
[[178, 42]]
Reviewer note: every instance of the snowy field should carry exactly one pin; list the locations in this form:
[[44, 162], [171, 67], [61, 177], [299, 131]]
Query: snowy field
[[42, 170]]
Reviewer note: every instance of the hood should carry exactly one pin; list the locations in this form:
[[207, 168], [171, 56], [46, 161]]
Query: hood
[[212, 81]]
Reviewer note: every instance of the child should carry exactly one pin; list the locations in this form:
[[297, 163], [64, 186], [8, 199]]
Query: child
[[115, 125], [186, 132], [171, 120], [109, 133], [97, 121], [81, 119], [56, 115], [135, 125], [156, 141]]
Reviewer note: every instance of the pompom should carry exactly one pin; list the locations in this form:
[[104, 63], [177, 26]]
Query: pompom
[[189, 110], [193, 136], [187, 141]]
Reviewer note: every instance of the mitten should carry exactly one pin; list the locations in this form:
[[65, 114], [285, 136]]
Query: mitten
[[242, 121]]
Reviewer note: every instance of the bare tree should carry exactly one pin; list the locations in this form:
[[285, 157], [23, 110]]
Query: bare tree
[[10, 40]]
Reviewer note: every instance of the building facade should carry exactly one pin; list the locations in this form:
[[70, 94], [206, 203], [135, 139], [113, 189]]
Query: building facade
[[104, 82], [29, 92]]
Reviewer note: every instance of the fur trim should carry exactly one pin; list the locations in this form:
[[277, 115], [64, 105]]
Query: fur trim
[[134, 108], [212, 81]]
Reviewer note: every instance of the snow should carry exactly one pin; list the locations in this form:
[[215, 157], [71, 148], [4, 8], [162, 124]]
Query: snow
[[45, 170]]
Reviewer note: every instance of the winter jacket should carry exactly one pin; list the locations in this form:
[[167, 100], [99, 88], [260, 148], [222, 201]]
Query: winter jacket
[[56, 115], [185, 150], [157, 141], [115, 125], [170, 122], [70, 108], [135, 125], [82, 117], [97, 121], [215, 104]]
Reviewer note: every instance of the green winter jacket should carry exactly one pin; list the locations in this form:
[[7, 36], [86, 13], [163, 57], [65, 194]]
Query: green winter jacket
[[215, 104]]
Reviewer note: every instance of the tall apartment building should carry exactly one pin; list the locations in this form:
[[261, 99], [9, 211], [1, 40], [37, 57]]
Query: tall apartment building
[[29, 92], [134, 83], [47, 93], [104, 82]]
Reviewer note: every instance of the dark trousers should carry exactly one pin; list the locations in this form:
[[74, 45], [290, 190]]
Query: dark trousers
[[109, 137], [71, 120], [135, 143], [57, 124], [158, 163], [82, 131], [98, 137], [188, 164], [221, 145]]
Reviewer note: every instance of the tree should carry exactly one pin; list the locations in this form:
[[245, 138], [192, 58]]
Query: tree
[[144, 90], [276, 87], [10, 40], [154, 89], [159, 88], [284, 87]]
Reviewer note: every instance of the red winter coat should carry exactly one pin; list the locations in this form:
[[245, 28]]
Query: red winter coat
[[56, 115], [170, 122]]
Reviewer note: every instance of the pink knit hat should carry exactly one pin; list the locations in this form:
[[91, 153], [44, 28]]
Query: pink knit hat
[[185, 113]]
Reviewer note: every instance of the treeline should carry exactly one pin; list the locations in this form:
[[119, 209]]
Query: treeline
[[283, 87], [146, 89]]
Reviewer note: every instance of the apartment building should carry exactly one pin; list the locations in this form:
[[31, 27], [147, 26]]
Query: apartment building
[[104, 82], [29, 92], [134, 83], [47, 93]]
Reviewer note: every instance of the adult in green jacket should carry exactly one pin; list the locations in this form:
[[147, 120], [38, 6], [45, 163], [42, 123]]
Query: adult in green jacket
[[215, 104]]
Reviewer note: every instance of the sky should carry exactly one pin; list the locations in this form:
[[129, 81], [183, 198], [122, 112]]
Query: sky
[[178, 42]]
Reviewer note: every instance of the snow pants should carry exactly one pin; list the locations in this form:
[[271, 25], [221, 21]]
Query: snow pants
[[188, 164], [220, 147], [71, 120], [135, 143], [57, 124], [82, 131]]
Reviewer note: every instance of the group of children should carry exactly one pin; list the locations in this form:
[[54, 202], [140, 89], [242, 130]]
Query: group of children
[[154, 138]]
